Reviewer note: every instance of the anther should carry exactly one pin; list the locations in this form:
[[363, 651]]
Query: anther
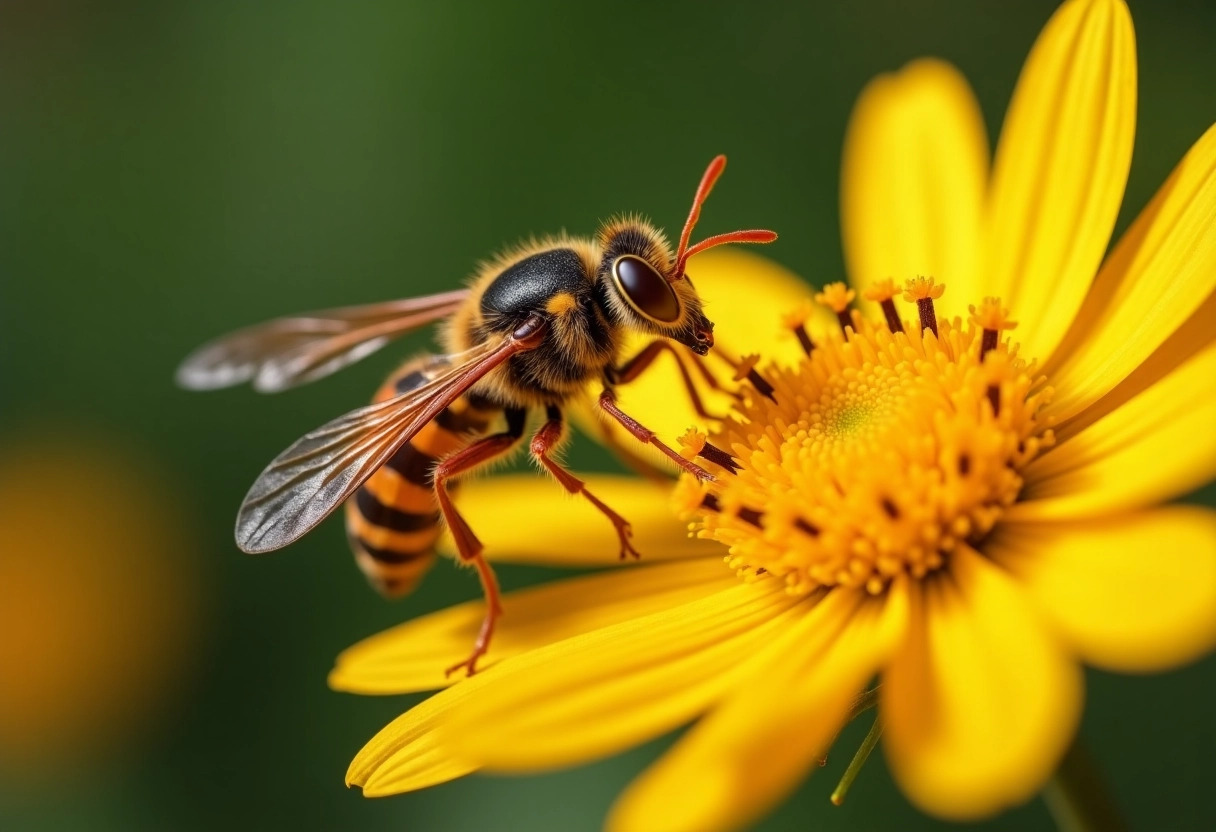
[[751, 517], [883, 293], [719, 457], [693, 444], [746, 369], [807, 527], [804, 339], [924, 291], [991, 317], [837, 297], [710, 502], [997, 369], [795, 322]]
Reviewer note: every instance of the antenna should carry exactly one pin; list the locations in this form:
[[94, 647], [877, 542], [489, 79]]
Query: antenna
[[707, 184]]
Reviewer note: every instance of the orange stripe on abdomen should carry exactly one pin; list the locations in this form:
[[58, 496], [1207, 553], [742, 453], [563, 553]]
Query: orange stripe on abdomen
[[393, 520]]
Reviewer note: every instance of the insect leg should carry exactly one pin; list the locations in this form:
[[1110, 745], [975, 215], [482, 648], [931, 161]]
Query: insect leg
[[646, 435], [467, 545], [542, 443], [636, 462], [637, 365]]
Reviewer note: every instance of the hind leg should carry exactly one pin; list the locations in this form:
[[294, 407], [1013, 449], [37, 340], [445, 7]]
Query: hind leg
[[468, 547]]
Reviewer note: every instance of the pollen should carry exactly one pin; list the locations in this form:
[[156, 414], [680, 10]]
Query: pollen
[[881, 291], [692, 442], [876, 455], [992, 318], [991, 315], [798, 316], [837, 297], [746, 366], [923, 288]]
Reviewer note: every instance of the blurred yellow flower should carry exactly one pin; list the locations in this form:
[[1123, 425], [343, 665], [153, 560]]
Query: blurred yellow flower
[[961, 505], [99, 605]]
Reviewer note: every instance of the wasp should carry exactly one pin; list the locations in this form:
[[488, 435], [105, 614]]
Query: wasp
[[536, 326]]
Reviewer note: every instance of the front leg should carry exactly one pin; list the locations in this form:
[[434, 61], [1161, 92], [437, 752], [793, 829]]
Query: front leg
[[542, 443], [641, 362], [647, 436]]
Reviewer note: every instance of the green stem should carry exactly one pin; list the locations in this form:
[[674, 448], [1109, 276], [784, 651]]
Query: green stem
[[859, 760], [1077, 798]]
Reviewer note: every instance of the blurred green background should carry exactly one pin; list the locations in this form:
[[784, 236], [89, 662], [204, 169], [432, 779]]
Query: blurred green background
[[170, 171]]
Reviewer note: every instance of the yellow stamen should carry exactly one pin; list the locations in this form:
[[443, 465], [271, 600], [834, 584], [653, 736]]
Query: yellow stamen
[[883, 293], [923, 291], [795, 321], [746, 369], [691, 442], [837, 297], [688, 498], [798, 316], [876, 456], [991, 315], [746, 365], [923, 288], [992, 318], [880, 291]]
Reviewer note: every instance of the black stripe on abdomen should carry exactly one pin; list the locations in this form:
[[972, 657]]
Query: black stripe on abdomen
[[391, 556], [388, 517], [414, 465]]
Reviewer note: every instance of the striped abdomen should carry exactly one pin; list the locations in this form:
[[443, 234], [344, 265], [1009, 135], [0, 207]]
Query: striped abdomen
[[392, 522]]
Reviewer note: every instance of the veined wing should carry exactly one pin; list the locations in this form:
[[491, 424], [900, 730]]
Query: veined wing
[[287, 352], [310, 479]]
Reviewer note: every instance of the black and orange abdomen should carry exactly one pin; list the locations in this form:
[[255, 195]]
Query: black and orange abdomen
[[392, 522]]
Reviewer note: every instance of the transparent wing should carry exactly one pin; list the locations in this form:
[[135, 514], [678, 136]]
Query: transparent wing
[[286, 352], [318, 472]]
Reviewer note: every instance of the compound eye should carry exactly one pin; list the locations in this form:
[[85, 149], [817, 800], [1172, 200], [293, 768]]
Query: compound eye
[[643, 288]]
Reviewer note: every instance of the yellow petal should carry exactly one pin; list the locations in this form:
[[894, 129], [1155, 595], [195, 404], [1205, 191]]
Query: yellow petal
[[1159, 274], [1061, 166], [1159, 445], [1194, 336], [746, 296], [1134, 594], [529, 518], [750, 752], [407, 753], [412, 656], [980, 703], [596, 694], [913, 179]]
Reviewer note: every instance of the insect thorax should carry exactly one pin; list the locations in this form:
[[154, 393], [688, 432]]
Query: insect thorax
[[557, 281]]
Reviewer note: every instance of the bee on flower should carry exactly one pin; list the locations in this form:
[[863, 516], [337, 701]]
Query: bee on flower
[[945, 475]]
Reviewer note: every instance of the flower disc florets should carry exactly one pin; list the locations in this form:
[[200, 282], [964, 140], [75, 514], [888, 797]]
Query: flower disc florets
[[878, 453]]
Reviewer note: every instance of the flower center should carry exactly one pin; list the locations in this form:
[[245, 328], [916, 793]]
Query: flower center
[[877, 454]]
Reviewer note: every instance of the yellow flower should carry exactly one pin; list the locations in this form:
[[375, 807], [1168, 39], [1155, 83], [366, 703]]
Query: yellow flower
[[925, 492]]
